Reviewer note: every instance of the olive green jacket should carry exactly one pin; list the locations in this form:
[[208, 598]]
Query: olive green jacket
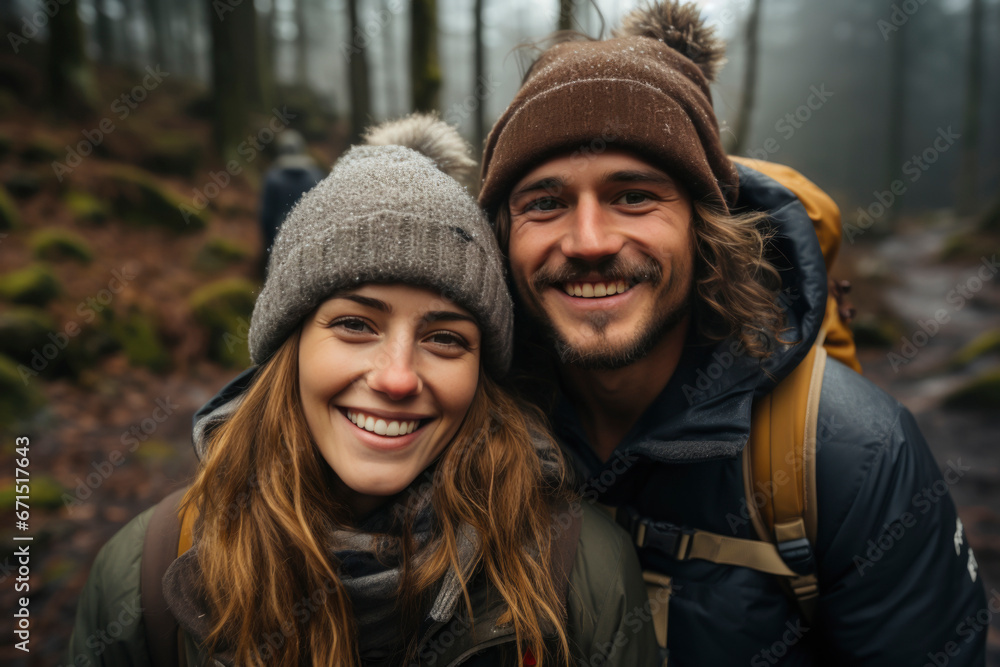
[[607, 609]]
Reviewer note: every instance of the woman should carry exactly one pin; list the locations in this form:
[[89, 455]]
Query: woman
[[368, 494]]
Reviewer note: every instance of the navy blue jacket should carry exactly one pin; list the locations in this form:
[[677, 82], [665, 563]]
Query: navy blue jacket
[[898, 581], [283, 187]]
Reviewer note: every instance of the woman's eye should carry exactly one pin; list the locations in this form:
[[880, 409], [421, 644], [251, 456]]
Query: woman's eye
[[352, 324], [446, 338]]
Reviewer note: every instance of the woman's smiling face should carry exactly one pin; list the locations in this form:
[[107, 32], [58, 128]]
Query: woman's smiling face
[[386, 375]]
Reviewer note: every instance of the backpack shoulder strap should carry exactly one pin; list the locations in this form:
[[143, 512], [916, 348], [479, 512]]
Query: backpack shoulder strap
[[165, 540], [779, 472]]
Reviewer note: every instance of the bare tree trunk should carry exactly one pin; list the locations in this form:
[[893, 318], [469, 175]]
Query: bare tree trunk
[[896, 124], [425, 70], [229, 90], [159, 21], [479, 77], [194, 19], [742, 127], [72, 85], [104, 31], [566, 9], [302, 41], [969, 174], [265, 56], [360, 92], [396, 97]]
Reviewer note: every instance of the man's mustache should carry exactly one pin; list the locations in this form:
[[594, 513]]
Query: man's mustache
[[610, 270]]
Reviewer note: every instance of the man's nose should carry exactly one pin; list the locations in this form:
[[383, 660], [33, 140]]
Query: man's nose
[[591, 235], [395, 373]]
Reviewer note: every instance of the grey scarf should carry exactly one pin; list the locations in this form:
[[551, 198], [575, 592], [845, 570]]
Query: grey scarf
[[370, 570]]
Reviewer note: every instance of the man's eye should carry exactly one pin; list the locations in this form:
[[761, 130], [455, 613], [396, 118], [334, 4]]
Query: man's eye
[[634, 198], [543, 204]]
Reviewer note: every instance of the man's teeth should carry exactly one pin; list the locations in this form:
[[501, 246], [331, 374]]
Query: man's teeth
[[380, 426], [590, 290]]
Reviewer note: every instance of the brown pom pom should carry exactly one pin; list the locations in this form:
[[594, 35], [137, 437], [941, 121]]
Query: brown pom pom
[[681, 27]]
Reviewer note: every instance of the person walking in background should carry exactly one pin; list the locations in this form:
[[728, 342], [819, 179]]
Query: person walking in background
[[292, 175]]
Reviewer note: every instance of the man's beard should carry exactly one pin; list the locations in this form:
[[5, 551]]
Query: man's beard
[[607, 356]]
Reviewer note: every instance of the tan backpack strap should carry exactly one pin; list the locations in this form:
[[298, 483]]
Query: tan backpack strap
[[779, 465], [685, 544], [659, 589]]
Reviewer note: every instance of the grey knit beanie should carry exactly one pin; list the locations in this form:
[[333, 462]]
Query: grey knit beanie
[[389, 214]]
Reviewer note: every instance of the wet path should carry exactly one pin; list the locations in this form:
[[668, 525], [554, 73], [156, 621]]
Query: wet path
[[937, 307]]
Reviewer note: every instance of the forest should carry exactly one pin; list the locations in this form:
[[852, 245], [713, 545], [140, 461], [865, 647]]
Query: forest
[[135, 136]]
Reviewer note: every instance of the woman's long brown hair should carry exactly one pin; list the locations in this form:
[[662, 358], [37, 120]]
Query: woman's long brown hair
[[265, 506]]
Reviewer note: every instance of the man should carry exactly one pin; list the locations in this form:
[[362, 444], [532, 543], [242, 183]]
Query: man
[[654, 317]]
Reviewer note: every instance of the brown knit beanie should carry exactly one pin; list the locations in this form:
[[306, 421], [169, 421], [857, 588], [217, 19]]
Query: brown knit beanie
[[645, 91]]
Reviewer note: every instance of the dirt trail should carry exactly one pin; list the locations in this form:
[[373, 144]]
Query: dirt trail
[[939, 308]]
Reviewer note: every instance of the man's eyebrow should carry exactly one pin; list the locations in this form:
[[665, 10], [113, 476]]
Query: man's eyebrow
[[448, 316], [549, 183], [638, 176], [367, 301]]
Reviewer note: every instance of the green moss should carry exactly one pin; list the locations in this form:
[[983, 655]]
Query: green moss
[[969, 245], [21, 399], [156, 451], [218, 253], [58, 244], [58, 570], [22, 329], [137, 335], [982, 345], [874, 332], [176, 153], [224, 308], [981, 392], [34, 285], [23, 184], [9, 216], [41, 149], [957, 245], [141, 200], [85, 207], [45, 492]]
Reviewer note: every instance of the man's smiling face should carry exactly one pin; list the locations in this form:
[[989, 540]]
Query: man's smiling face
[[602, 253]]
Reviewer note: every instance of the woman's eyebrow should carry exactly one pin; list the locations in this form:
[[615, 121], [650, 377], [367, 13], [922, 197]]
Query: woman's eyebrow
[[367, 301], [448, 316]]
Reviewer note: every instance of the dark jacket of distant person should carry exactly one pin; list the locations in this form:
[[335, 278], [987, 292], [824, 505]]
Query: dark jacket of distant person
[[292, 175]]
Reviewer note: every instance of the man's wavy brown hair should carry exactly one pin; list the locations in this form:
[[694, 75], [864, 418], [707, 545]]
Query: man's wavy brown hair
[[735, 285], [266, 508]]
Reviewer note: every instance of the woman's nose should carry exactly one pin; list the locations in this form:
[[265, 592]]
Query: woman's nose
[[394, 373]]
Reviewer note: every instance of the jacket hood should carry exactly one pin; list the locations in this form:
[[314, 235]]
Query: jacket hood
[[219, 409], [704, 411]]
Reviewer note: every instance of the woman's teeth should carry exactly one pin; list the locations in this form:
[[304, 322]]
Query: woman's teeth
[[380, 426], [591, 290]]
